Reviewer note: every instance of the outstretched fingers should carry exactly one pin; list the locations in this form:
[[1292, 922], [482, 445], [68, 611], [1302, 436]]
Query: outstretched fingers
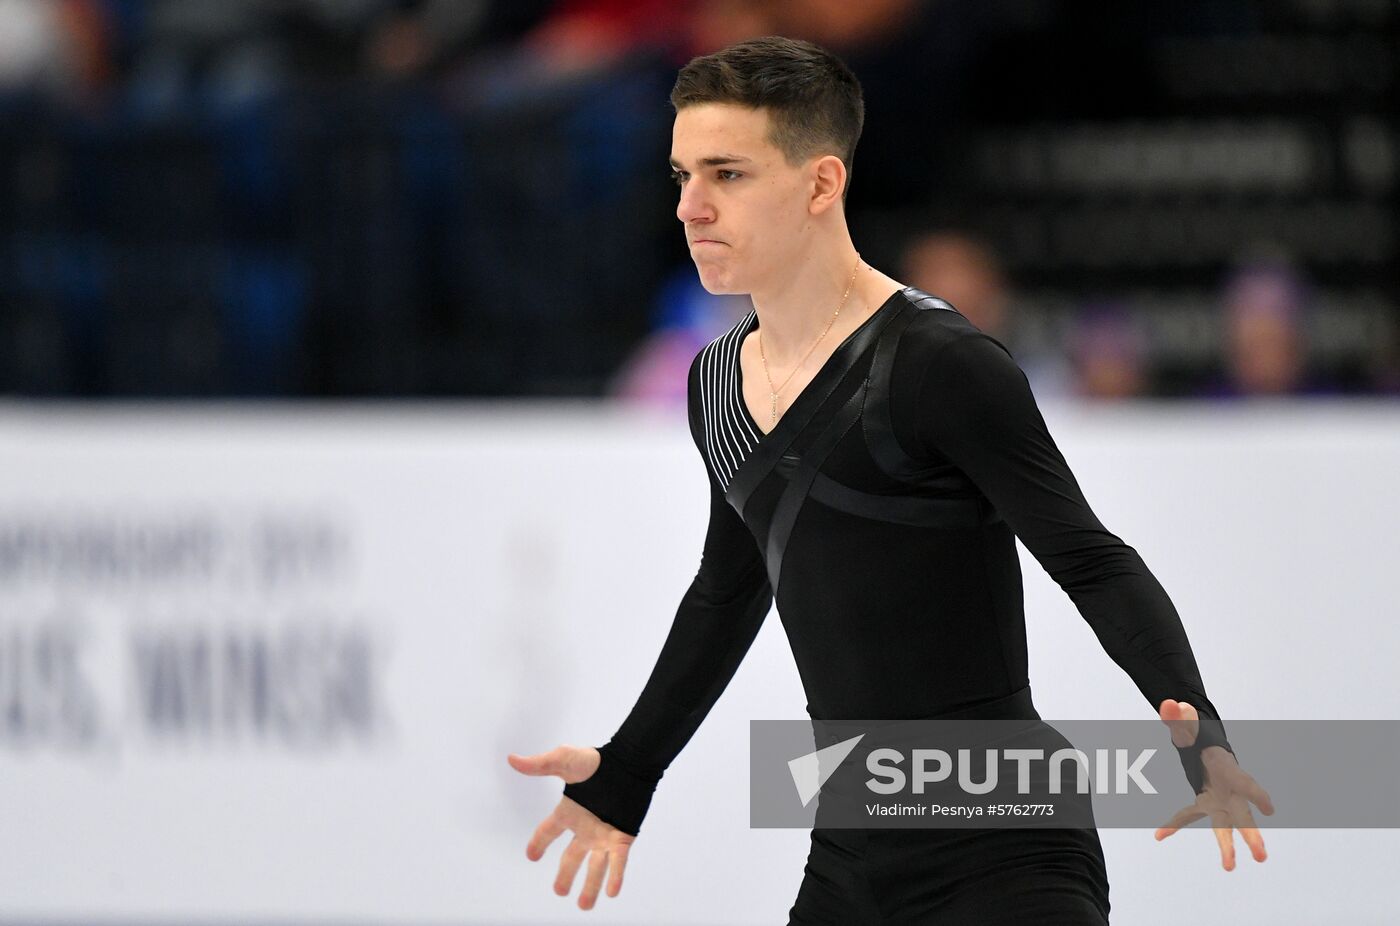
[[573, 856], [544, 834], [1256, 793], [619, 862], [1249, 830], [1183, 817], [1224, 835], [597, 867]]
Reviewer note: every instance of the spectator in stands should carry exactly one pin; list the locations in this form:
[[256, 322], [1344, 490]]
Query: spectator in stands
[[963, 269], [1264, 354], [1263, 308], [1109, 350]]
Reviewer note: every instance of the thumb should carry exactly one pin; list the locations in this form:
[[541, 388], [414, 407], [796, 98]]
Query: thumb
[[1181, 718], [541, 763]]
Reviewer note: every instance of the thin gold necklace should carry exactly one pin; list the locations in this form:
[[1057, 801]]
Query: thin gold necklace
[[773, 391]]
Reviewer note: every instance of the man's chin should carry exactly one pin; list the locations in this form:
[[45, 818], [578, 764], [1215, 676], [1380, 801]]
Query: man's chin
[[719, 287]]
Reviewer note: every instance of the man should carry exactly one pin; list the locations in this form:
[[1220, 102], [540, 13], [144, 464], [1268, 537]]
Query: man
[[909, 442]]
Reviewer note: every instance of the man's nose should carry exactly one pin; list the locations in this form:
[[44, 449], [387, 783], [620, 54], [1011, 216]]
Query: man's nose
[[694, 204]]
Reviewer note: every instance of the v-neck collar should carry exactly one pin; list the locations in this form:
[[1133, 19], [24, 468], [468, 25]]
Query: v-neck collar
[[797, 402], [770, 446]]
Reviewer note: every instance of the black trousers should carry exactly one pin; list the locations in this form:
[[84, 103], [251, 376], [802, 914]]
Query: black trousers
[[971, 876], [987, 876]]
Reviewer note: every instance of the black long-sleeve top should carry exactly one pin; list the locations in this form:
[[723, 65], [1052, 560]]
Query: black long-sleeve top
[[883, 508]]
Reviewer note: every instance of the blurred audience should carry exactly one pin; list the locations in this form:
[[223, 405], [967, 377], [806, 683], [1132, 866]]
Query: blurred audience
[[1109, 351], [1263, 306], [687, 318], [841, 24], [1263, 309], [58, 48], [585, 35], [962, 269], [423, 160], [412, 39], [239, 49]]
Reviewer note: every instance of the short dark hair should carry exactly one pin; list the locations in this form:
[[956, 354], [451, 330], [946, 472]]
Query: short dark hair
[[813, 99]]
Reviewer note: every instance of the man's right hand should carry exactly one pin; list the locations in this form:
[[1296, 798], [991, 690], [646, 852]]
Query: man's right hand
[[604, 845]]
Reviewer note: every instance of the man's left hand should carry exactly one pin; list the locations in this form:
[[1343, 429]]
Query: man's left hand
[[1227, 792]]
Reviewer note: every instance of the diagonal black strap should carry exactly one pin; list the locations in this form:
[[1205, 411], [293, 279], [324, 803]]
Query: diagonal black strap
[[790, 502], [879, 428], [828, 380], [887, 452], [926, 503]]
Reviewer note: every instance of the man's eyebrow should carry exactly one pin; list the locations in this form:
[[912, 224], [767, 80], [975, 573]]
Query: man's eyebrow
[[715, 160]]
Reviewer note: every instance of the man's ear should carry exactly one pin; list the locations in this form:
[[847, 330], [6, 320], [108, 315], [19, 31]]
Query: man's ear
[[828, 181]]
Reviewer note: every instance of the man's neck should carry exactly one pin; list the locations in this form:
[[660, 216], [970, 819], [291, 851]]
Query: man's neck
[[796, 309]]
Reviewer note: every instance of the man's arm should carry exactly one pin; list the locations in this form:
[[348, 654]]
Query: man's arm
[[975, 407], [718, 617]]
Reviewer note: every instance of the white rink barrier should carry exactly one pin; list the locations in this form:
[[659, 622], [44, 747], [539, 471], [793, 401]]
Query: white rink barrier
[[263, 664]]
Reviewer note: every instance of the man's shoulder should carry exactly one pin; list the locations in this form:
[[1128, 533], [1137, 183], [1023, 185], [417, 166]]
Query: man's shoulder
[[937, 324]]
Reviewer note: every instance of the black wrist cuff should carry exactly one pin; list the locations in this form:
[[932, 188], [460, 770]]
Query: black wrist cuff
[[1210, 733], [614, 794]]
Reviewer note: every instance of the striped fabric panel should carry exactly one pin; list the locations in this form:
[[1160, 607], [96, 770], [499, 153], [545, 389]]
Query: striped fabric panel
[[729, 437]]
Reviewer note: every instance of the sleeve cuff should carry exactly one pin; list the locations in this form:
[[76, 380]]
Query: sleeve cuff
[[614, 794], [1210, 733]]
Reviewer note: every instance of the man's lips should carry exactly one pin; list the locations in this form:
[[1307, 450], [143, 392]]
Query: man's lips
[[706, 241]]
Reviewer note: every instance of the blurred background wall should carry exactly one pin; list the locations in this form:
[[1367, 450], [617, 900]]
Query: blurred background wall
[[261, 660]]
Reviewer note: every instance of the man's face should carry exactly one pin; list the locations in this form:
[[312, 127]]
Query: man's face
[[744, 207]]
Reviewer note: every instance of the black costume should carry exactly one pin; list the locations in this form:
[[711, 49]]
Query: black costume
[[881, 514]]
